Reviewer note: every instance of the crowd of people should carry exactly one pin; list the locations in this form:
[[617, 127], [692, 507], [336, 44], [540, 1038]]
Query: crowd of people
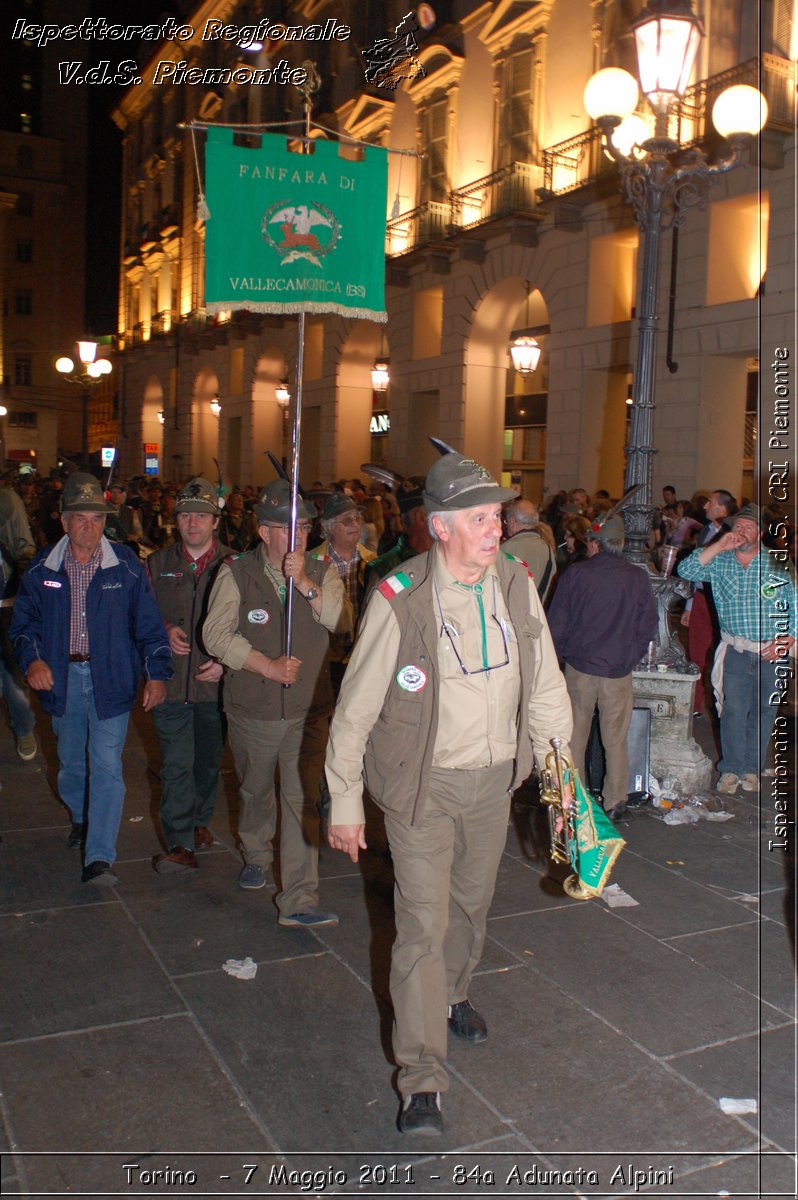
[[428, 639]]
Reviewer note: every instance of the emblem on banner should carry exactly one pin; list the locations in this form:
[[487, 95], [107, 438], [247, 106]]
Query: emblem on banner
[[300, 231]]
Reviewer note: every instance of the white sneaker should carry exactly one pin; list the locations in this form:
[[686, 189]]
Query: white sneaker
[[27, 748], [727, 784], [750, 782]]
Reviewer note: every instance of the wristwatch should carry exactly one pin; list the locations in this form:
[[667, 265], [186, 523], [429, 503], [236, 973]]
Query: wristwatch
[[312, 593]]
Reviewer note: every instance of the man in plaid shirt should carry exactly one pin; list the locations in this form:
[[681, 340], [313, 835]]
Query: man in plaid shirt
[[755, 599]]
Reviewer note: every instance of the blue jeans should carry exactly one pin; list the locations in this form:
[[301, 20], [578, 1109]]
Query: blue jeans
[[102, 810], [20, 713], [746, 722]]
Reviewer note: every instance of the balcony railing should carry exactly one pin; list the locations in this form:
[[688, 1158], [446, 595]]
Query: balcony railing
[[420, 226], [692, 120], [506, 192], [581, 159], [575, 162]]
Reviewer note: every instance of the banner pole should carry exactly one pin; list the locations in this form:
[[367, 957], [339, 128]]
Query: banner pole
[[311, 85], [296, 436]]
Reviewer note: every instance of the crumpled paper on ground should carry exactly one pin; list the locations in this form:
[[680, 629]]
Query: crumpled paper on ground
[[616, 897], [729, 1104], [245, 968]]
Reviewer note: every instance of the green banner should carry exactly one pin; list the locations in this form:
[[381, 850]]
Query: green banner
[[291, 233]]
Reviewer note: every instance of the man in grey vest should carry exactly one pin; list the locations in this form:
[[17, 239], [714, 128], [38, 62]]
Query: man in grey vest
[[278, 707], [523, 540], [189, 723], [452, 685]]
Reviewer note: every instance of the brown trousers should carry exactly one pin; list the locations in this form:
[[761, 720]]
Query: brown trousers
[[445, 871], [297, 747], [615, 703]]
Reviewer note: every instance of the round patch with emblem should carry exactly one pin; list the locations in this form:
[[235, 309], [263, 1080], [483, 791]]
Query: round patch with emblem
[[411, 679], [257, 616], [768, 591]]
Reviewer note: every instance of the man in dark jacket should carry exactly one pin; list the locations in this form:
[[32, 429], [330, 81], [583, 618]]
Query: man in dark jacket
[[277, 705], [189, 724], [85, 624], [602, 618]]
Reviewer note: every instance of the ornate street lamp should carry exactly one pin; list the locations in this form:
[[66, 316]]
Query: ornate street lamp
[[215, 404], [380, 374], [524, 350], [282, 395], [92, 370], [667, 37]]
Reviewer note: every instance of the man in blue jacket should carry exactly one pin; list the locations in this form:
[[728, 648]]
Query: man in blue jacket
[[85, 624]]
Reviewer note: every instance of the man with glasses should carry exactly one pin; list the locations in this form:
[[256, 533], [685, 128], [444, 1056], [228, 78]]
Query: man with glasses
[[452, 685], [278, 706], [341, 522]]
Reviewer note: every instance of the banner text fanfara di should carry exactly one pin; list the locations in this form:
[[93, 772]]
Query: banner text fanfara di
[[346, 183]]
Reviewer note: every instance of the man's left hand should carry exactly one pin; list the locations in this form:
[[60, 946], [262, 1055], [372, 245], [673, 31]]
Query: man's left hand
[[154, 694]]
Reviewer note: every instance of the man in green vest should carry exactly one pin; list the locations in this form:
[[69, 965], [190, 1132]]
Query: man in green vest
[[189, 723], [452, 684], [278, 707]]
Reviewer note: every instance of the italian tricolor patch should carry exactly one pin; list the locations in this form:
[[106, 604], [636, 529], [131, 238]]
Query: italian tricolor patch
[[394, 584]]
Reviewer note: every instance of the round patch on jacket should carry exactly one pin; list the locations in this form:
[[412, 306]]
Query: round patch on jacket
[[257, 616], [411, 679], [768, 590]]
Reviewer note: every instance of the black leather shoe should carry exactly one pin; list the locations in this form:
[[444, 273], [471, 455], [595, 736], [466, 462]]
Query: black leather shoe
[[421, 1113], [466, 1023], [77, 835], [618, 813], [99, 872]]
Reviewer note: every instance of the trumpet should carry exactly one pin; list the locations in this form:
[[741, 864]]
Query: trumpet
[[560, 800]]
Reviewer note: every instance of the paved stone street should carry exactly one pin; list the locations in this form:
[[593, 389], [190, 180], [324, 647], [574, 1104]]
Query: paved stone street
[[613, 1032]]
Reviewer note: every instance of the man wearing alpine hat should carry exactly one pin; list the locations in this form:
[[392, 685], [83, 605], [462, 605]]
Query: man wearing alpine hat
[[452, 684], [278, 707], [190, 723], [86, 624]]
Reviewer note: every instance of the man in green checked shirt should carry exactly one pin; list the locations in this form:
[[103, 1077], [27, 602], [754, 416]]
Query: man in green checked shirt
[[755, 600]]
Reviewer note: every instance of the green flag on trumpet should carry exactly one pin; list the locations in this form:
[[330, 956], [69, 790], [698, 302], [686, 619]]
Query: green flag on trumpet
[[290, 233], [594, 848]]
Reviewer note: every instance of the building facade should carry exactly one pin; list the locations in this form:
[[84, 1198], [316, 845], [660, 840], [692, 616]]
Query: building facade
[[43, 140], [509, 221]]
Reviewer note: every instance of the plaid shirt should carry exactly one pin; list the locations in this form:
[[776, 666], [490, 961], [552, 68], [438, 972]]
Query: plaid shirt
[[204, 560], [349, 573], [756, 602], [80, 576]]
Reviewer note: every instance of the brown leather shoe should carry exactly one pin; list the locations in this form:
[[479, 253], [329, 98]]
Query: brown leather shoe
[[203, 838], [178, 859]]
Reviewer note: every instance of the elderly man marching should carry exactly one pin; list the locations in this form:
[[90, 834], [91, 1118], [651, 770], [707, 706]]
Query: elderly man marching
[[190, 723], [85, 625], [452, 683], [278, 707], [340, 522]]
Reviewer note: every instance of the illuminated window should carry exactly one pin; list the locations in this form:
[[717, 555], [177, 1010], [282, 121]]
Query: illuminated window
[[738, 239], [612, 280], [515, 117]]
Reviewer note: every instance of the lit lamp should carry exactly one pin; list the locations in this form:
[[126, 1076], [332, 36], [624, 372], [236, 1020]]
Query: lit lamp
[[215, 404], [282, 395], [524, 350], [91, 372], [667, 36], [380, 374], [161, 417]]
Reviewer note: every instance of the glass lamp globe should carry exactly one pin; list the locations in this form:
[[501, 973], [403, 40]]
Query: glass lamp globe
[[525, 353], [610, 93], [667, 37], [632, 131], [64, 365], [741, 109]]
